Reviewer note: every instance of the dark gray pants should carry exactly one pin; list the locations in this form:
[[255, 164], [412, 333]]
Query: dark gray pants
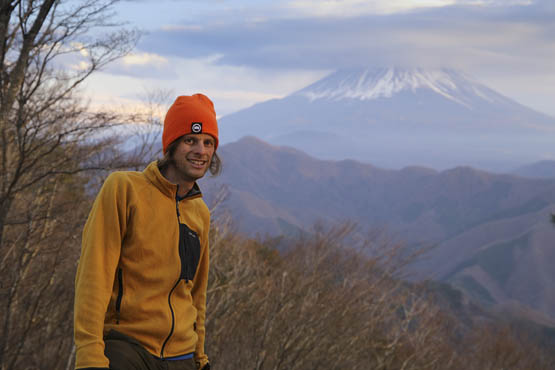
[[125, 353]]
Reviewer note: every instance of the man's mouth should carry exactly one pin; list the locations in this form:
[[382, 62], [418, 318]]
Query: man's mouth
[[197, 162]]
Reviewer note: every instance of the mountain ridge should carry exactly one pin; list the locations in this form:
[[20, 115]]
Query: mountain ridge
[[541, 169], [277, 190], [413, 126]]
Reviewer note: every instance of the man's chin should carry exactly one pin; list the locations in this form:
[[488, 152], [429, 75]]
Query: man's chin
[[192, 174], [197, 173]]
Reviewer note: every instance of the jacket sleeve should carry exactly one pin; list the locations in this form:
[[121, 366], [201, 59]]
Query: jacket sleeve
[[199, 295], [100, 252]]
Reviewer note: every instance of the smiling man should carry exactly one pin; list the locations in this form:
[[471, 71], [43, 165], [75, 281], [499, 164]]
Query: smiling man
[[140, 290]]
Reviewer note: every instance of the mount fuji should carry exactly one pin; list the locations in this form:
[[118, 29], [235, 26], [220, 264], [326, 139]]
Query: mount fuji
[[396, 117]]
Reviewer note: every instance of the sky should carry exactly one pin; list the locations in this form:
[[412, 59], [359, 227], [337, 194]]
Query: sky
[[241, 52]]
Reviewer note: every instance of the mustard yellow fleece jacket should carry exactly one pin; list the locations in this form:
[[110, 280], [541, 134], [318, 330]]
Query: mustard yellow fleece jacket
[[130, 275]]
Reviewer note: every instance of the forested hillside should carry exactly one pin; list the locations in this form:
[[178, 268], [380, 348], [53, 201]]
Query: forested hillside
[[324, 305]]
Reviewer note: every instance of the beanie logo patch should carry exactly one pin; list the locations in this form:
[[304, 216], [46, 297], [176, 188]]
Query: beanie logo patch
[[196, 127]]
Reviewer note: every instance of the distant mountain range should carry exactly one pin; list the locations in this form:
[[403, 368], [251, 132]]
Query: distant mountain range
[[542, 169], [395, 117], [491, 233]]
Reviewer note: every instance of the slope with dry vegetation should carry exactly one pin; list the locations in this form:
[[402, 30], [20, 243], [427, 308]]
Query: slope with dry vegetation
[[326, 302]]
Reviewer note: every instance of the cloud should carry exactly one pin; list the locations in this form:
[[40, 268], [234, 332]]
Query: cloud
[[80, 47], [81, 66], [140, 64], [184, 27], [451, 35], [230, 87], [144, 59], [353, 8], [250, 50], [350, 8]]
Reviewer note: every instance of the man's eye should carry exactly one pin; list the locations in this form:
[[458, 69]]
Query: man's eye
[[208, 143], [189, 140]]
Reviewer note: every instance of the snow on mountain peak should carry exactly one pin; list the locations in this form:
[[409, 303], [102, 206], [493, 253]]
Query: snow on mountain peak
[[367, 84]]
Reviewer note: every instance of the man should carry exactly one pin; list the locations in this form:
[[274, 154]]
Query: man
[[140, 289]]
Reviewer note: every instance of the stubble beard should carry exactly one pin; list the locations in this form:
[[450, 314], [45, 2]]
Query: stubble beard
[[186, 172]]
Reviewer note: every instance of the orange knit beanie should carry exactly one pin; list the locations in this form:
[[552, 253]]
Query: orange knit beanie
[[190, 114]]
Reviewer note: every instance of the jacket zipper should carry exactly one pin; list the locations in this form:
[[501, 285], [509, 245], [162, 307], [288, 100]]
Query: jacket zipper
[[120, 294], [173, 320], [174, 286]]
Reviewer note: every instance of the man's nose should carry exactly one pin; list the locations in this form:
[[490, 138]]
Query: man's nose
[[200, 148]]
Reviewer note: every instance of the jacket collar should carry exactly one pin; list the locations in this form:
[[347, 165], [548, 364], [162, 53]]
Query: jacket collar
[[195, 190], [153, 174]]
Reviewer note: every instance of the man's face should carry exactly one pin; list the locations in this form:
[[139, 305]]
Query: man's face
[[192, 156]]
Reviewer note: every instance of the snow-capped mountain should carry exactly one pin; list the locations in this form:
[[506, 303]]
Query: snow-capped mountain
[[368, 84], [395, 117]]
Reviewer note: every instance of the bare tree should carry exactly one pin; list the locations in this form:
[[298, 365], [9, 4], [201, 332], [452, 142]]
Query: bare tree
[[329, 300], [48, 136], [499, 345], [320, 304], [39, 269], [41, 114]]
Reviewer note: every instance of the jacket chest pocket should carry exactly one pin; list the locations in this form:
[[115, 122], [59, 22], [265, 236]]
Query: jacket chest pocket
[[189, 252]]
